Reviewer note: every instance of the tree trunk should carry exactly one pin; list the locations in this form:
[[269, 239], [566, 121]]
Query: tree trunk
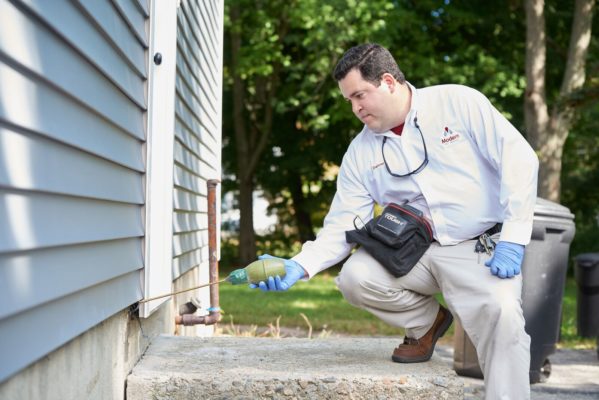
[[535, 103], [252, 129], [302, 217], [247, 236], [548, 133]]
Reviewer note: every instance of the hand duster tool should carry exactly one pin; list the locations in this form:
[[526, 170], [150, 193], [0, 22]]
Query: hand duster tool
[[255, 272]]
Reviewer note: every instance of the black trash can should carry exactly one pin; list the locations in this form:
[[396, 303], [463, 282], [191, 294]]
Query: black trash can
[[587, 299], [544, 277]]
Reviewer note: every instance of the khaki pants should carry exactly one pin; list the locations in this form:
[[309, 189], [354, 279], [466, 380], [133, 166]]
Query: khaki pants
[[489, 308]]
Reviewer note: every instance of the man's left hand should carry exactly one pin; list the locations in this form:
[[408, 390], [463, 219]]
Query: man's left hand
[[506, 260], [293, 273]]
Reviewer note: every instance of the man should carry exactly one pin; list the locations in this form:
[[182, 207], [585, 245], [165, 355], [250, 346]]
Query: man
[[446, 151]]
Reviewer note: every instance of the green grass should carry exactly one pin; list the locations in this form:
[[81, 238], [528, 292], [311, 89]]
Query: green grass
[[319, 300], [569, 338], [322, 303]]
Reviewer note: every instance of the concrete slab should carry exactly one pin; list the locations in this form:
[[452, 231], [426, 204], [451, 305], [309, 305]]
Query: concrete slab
[[257, 368]]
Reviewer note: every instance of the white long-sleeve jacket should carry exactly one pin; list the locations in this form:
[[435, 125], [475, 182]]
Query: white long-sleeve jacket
[[480, 171]]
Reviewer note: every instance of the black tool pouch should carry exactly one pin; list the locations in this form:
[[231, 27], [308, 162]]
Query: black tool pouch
[[397, 238]]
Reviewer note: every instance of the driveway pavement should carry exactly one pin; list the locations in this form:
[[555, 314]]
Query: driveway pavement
[[574, 376]]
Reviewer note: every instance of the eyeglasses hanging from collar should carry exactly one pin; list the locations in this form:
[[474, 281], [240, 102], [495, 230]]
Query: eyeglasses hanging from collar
[[417, 170]]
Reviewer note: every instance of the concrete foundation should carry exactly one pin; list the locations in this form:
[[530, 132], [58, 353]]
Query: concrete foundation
[[95, 365], [91, 366], [257, 368]]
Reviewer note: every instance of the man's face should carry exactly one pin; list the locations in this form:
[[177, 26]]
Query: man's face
[[372, 104]]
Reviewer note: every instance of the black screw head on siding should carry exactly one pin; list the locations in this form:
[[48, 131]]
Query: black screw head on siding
[[157, 58]]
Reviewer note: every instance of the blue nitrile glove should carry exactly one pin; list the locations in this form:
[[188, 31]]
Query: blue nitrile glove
[[293, 273], [506, 260]]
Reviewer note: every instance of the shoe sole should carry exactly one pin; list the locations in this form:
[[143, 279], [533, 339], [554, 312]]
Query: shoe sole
[[444, 327]]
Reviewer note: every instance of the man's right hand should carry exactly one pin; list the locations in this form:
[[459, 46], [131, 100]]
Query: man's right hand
[[293, 273], [507, 259]]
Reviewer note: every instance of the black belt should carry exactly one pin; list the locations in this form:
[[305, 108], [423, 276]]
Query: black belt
[[491, 231], [494, 229]]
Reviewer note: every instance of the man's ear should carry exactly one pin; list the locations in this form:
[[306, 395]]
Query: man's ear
[[387, 79]]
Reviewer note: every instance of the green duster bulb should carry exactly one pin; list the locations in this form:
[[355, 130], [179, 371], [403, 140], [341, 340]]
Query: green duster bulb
[[258, 271]]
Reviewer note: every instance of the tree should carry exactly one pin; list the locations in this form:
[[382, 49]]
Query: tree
[[278, 58], [289, 126], [433, 44], [254, 60], [548, 129]]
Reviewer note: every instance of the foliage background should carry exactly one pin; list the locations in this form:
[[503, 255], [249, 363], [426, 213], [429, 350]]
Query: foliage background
[[480, 44]]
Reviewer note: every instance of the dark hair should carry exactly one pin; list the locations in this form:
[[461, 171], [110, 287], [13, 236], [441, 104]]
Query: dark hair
[[372, 60]]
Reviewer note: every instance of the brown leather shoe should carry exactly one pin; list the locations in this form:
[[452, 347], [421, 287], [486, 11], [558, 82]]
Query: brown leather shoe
[[419, 350]]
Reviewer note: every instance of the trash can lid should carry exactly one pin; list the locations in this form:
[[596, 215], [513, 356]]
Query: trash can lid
[[587, 260], [551, 209]]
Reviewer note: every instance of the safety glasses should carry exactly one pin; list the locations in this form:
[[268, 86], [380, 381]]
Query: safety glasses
[[417, 170]]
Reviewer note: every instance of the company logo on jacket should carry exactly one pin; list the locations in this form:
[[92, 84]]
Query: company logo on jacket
[[449, 137]]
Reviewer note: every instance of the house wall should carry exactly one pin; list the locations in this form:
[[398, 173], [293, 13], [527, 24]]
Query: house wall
[[94, 365], [72, 112], [197, 150], [73, 83], [197, 131]]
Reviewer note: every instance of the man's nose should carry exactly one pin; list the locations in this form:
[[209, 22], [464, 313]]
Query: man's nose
[[356, 107]]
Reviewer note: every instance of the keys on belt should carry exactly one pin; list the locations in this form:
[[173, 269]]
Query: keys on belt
[[484, 244]]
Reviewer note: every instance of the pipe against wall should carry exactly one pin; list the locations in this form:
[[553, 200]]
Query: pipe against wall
[[214, 315], [212, 248]]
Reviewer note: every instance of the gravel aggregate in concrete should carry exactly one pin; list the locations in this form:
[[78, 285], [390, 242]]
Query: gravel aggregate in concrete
[[333, 368], [291, 368]]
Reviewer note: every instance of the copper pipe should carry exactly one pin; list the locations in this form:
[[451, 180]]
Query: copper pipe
[[192, 319], [214, 315], [214, 310]]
